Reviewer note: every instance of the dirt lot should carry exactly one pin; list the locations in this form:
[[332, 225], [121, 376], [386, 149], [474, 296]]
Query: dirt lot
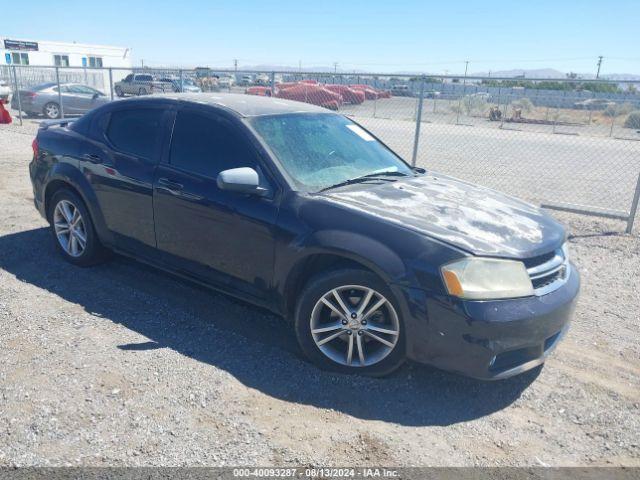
[[123, 365]]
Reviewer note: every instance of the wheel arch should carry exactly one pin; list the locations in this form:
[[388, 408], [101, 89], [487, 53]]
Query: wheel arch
[[334, 250], [69, 177]]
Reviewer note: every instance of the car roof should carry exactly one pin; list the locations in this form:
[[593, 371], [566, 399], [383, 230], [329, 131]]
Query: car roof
[[241, 104]]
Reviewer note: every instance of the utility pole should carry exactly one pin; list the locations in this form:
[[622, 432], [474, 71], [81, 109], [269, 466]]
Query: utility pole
[[299, 65], [335, 67], [600, 57], [235, 64]]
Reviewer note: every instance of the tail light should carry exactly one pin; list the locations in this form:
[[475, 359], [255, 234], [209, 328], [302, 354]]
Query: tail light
[[30, 94], [34, 146]]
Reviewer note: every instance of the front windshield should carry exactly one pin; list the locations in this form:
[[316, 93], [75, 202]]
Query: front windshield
[[321, 150]]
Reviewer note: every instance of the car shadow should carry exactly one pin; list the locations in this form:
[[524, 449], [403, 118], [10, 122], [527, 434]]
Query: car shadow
[[255, 346]]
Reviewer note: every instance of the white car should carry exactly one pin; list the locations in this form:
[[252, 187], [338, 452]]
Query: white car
[[5, 90], [226, 81]]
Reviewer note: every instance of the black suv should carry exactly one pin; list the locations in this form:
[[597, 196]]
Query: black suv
[[306, 213]]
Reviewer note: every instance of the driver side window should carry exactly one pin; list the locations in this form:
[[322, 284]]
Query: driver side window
[[205, 146]]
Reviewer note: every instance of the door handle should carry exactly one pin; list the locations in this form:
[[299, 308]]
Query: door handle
[[172, 187]]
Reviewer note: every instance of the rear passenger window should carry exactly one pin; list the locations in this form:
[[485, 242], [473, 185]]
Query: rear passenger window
[[206, 146], [135, 131]]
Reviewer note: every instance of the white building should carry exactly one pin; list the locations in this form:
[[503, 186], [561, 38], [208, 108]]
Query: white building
[[79, 62]]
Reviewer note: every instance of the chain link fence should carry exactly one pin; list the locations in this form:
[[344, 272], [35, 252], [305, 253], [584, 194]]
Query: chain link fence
[[567, 144]]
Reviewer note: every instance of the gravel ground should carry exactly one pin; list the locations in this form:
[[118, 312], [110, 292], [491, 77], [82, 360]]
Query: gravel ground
[[123, 365]]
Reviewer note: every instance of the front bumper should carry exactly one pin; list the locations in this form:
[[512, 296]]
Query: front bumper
[[489, 340]]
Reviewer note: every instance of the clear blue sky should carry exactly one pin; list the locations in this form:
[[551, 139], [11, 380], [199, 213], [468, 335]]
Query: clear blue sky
[[365, 35]]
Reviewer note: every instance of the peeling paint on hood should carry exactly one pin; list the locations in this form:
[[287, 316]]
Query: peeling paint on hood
[[476, 219]]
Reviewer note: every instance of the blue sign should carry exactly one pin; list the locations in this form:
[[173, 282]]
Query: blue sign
[[7, 57], [84, 61]]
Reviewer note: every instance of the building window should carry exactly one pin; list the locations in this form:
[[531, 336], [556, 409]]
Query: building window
[[20, 58], [61, 60], [95, 62]]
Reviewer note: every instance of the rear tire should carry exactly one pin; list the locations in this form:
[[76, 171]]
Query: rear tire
[[51, 110], [72, 229], [364, 334]]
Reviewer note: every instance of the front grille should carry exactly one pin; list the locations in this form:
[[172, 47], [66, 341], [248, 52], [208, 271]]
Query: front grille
[[548, 272]]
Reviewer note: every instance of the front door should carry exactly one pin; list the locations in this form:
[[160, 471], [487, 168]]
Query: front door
[[218, 236]]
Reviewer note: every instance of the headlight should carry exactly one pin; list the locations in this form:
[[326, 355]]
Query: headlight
[[476, 278]]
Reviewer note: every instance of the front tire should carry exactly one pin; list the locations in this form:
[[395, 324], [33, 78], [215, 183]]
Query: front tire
[[119, 91], [142, 91], [348, 321], [72, 229]]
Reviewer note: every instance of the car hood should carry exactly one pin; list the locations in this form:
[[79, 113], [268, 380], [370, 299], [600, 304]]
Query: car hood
[[473, 218]]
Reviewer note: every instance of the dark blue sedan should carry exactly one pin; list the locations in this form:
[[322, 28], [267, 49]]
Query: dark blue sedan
[[304, 212]]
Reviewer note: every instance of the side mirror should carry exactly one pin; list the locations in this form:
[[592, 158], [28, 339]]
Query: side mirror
[[96, 95], [241, 180]]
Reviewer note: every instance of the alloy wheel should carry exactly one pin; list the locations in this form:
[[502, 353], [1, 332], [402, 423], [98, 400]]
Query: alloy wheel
[[355, 326], [70, 228], [52, 110]]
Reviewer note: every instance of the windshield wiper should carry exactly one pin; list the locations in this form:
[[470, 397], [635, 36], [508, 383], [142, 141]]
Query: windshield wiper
[[365, 178]]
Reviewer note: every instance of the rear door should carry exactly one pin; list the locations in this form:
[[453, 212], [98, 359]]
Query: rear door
[[215, 235], [122, 161]]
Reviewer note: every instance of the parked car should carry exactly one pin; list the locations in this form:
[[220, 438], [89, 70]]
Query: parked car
[[260, 91], [262, 79], [186, 85], [311, 93], [141, 84], [369, 92], [5, 91], [401, 91], [594, 104], [226, 81], [306, 213], [245, 80], [348, 94], [44, 99]]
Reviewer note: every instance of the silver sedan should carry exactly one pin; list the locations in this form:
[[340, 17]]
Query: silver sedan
[[44, 99]]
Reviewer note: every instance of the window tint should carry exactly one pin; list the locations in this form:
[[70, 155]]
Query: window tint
[[135, 131], [206, 146], [144, 78]]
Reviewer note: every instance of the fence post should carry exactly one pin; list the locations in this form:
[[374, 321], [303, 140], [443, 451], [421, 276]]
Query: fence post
[[613, 121], [634, 206], [111, 83], [464, 90], [416, 139], [17, 90], [59, 93]]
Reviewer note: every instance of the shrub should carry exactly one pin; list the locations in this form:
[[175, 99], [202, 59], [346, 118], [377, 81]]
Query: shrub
[[523, 104], [633, 120], [470, 105], [616, 110]]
